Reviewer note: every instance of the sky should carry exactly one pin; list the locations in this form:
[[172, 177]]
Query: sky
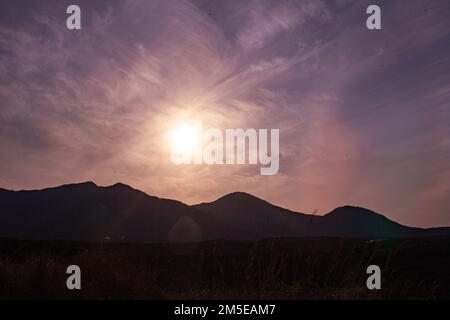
[[364, 115]]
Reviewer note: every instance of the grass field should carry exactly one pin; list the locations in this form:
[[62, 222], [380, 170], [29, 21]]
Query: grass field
[[315, 268]]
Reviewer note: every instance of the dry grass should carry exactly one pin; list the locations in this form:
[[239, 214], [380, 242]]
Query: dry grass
[[272, 269]]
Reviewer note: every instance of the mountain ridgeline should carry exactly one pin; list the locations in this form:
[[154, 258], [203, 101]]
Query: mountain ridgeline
[[87, 212]]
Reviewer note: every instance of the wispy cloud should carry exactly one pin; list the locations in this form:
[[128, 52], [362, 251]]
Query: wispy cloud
[[364, 116]]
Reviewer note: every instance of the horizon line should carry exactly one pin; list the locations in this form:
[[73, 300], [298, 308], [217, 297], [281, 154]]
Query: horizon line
[[90, 182]]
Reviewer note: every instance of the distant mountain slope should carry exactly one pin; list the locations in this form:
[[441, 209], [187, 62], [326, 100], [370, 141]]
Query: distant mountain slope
[[87, 212], [358, 222], [256, 218], [261, 219]]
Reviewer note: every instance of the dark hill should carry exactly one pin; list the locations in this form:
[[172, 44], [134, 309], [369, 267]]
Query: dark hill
[[87, 212]]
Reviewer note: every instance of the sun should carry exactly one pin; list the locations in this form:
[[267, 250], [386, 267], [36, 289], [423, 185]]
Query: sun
[[185, 138]]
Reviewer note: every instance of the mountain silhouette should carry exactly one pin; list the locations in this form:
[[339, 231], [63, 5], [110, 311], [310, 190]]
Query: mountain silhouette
[[87, 212], [256, 218]]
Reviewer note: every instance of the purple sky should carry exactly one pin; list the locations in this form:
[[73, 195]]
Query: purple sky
[[364, 116]]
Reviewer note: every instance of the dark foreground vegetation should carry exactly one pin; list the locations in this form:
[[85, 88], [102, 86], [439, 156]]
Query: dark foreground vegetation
[[315, 268]]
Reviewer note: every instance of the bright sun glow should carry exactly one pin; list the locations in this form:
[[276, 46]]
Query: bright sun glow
[[185, 138]]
